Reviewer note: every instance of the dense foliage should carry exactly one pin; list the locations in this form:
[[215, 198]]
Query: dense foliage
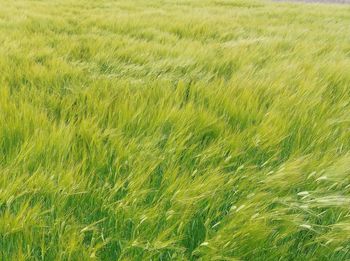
[[174, 130]]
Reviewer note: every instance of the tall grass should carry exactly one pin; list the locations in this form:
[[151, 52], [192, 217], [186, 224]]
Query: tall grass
[[174, 130]]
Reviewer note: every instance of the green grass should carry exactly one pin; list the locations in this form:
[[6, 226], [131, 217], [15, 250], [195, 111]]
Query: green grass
[[174, 130]]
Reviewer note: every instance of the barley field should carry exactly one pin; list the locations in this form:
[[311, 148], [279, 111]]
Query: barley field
[[174, 130]]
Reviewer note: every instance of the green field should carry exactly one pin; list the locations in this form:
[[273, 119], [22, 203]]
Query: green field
[[174, 130]]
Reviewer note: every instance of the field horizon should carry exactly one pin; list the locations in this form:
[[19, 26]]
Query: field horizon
[[174, 130]]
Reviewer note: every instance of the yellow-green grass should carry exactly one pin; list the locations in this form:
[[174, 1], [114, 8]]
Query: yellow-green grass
[[174, 130]]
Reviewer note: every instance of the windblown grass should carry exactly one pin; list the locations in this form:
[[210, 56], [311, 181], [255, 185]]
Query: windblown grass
[[174, 130]]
